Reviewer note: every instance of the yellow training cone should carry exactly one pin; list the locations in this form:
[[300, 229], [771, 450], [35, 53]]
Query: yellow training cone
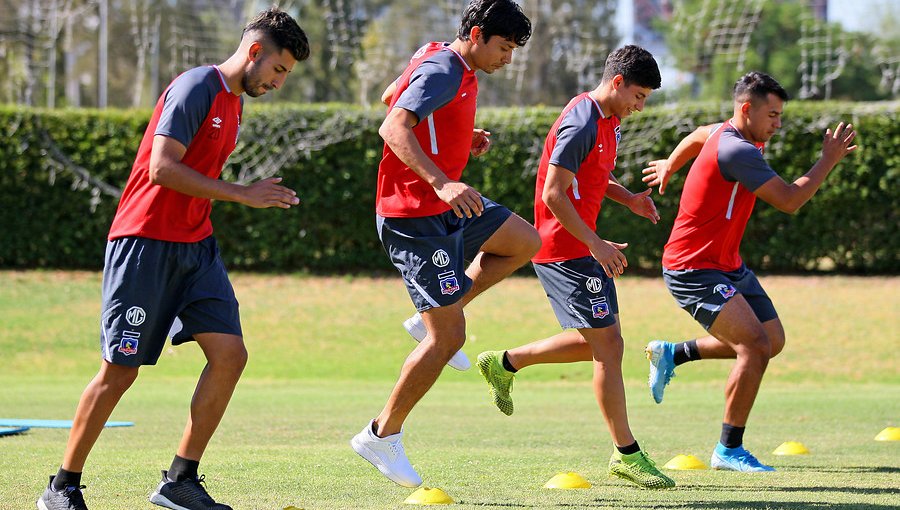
[[889, 434], [685, 462], [429, 496], [292, 507], [791, 448], [568, 480]]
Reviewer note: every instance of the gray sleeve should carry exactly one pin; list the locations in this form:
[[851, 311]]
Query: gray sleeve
[[432, 85], [187, 105], [741, 161], [575, 137]]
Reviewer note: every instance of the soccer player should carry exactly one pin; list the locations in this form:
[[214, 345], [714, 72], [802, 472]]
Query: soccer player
[[701, 264], [575, 265], [429, 221], [163, 274]]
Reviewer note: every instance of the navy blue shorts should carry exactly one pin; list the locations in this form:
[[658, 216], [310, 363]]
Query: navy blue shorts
[[580, 293], [153, 289], [703, 292], [430, 252]]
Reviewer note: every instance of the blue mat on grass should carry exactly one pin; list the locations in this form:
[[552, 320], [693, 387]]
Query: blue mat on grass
[[54, 424], [8, 431]]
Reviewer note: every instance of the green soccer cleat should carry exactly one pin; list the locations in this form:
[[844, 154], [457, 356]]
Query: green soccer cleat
[[640, 469], [490, 364]]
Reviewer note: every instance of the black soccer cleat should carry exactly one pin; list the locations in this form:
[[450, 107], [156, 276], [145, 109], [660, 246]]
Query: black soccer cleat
[[69, 498], [184, 495]]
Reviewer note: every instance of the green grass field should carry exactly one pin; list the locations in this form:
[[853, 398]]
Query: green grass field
[[324, 353]]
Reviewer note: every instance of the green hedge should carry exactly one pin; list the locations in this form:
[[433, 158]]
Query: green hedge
[[56, 216]]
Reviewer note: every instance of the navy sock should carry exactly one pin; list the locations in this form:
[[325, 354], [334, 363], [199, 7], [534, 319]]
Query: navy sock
[[183, 469], [507, 365], [686, 351], [732, 436], [65, 479], [628, 450]]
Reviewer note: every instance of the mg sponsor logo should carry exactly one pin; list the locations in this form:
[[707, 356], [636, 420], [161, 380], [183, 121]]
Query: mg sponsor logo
[[594, 285], [135, 316], [440, 258]]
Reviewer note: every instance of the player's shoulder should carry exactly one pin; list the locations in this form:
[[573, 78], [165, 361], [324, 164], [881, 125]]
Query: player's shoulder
[[443, 61], [733, 145], [206, 76], [583, 113], [199, 83]]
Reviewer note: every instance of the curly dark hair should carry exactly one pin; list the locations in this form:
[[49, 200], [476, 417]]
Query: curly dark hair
[[279, 29], [496, 17], [756, 86], [635, 64]]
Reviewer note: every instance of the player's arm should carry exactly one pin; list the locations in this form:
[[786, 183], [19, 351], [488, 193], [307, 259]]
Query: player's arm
[[639, 203], [558, 181], [396, 130], [166, 169], [659, 171], [790, 197]]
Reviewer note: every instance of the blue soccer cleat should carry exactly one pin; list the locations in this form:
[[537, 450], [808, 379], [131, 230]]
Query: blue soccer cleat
[[662, 367], [736, 459]]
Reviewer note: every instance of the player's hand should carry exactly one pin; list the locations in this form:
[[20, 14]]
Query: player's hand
[[642, 205], [610, 257], [657, 173], [836, 144], [267, 193], [462, 198], [481, 142]]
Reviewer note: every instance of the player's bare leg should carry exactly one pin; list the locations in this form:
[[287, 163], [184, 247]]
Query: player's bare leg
[[446, 327], [566, 347], [711, 347], [226, 357], [509, 248], [607, 348], [737, 326], [95, 406]]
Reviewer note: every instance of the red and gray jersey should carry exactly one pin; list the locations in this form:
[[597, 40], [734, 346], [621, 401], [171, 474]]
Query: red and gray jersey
[[584, 141], [716, 202], [441, 90], [200, 111]]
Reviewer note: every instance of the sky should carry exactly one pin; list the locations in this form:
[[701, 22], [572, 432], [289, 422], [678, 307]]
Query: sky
[[861, 15]]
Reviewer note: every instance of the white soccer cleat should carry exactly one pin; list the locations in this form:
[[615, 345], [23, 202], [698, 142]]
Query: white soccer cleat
[[416, 329], [386, 454]]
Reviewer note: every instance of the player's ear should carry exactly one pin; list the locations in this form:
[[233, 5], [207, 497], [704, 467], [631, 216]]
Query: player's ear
[[617, 81], [475, 34], [255, 51], [745, 107]]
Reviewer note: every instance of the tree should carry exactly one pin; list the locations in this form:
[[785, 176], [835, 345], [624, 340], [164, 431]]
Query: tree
[[720, 40]]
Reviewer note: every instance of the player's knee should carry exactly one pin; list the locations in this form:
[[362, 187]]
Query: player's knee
[[608, 350], [761, 346], [532, 242], [118, 378], [447, 345], [777, 344], [756, 346], [231, 356], [776, 339]]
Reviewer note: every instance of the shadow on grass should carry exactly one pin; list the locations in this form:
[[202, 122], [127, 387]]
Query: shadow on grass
[[722, 505], [735, 505], [676, 505], [727, 505], [872, 491], [493, 505], [848, 469]]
